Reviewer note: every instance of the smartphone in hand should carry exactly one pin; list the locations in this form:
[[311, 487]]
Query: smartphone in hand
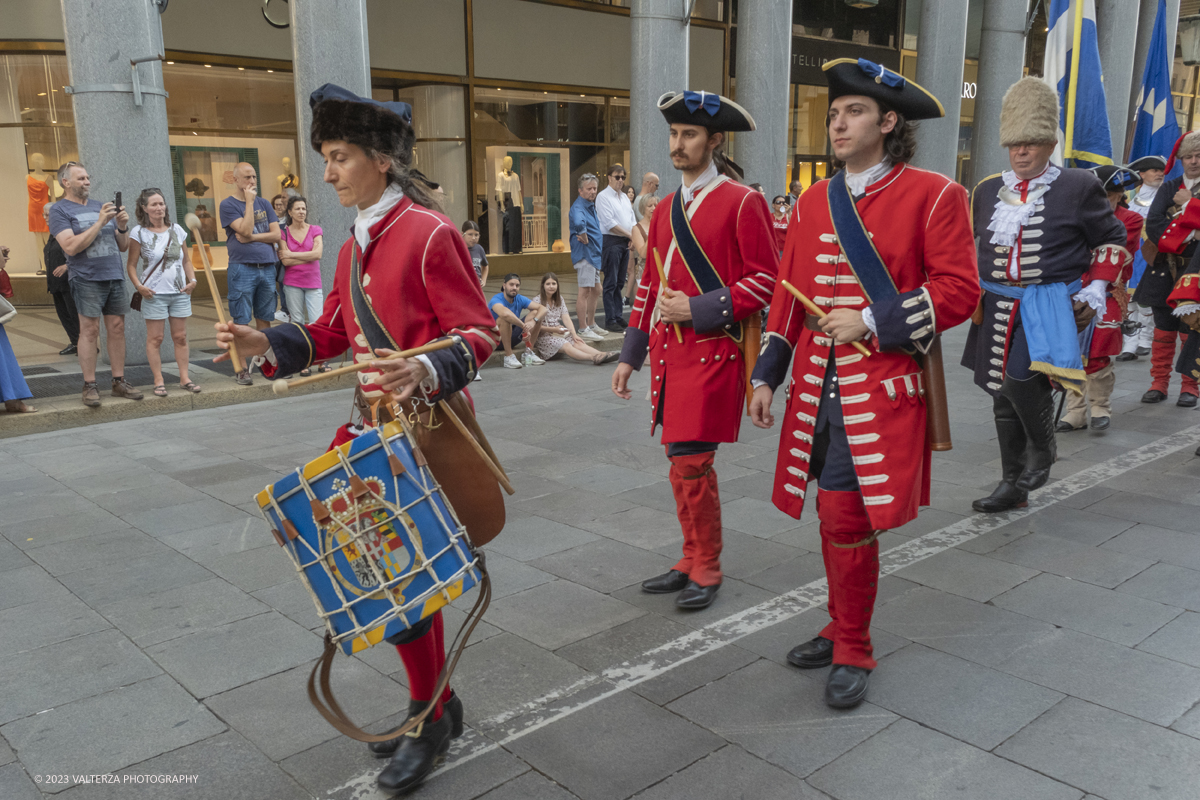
[[117, 202]]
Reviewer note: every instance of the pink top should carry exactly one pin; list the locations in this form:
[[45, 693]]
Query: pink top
[[308, 275]]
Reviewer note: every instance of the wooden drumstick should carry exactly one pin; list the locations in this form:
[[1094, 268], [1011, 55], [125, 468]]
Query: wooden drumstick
[[193, 222], [479, 451], [816, 311], [662, 281], [281, 387]]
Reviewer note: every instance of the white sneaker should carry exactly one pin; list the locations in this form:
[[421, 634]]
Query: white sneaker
[[530, 359], [511, 362], [282, 317], [478, 377], [590, 335]]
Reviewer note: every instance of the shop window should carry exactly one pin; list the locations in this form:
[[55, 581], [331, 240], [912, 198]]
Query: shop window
[[36, 136], [220, 99], [618, 120], [203, 177], [836, 19]]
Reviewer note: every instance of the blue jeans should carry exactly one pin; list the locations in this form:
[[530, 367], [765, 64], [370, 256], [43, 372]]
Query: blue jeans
[[251, 290]]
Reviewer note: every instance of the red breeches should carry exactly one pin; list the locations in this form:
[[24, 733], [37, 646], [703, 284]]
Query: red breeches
[[851, 556], [699, 507]]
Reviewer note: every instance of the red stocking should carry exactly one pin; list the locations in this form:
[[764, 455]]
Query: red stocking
[[853, 574], [1162, 354], [440, 635], [423, 660]]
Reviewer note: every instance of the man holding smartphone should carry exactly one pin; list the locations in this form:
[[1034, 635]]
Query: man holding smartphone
[[93, 235]]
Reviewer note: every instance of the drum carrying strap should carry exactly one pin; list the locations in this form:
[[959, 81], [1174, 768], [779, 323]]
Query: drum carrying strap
[[329, 708]]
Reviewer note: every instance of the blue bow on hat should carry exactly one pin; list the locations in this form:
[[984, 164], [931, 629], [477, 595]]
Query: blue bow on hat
[[697, 100], [881, 74]]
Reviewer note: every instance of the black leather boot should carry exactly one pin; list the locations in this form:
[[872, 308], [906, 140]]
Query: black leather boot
[[421, 751], [1034, 404], [452, 708], [1011, 435]]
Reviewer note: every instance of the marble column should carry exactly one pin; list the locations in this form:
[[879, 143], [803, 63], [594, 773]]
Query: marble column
[[124, 146], [763, 76], [1001, 60], [659, 50], [940, 53], [1116, 30], [329, 45]]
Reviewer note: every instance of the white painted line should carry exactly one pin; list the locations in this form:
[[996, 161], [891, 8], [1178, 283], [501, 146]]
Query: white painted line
[[562, 702]]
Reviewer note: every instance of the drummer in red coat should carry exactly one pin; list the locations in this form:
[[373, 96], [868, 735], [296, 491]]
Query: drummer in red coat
[[717, 248], [887, 250], [404, 278], [1106, 334]]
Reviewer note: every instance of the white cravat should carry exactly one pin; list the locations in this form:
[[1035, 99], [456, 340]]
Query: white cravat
[[689, 192], [859, 181], [367, 217]]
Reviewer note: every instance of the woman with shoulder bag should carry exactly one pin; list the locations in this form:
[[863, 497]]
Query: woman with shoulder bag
[[13, 388], [164, 287]]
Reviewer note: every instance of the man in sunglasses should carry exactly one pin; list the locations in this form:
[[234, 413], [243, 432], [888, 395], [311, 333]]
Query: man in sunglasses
[[615, 212], [779, 220]]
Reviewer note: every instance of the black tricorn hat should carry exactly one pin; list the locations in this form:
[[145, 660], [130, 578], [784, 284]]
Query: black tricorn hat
[[713, 111], [1118, 179], [862, 77], [1148, 162], [341, 114]]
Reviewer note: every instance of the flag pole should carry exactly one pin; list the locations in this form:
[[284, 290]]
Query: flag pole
[[1076, 33]]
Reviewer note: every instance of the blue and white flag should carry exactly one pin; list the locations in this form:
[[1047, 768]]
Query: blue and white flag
[[1155, 126], [1081, 105]]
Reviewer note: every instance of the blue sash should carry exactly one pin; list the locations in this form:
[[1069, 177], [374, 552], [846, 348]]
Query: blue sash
[[694, 258], [852, 235], [1055, 348]]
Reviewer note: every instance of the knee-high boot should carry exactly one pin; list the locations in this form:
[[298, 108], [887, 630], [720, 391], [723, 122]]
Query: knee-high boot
[[1034, 403], [694, 483], [1011, 435], [852, 558]]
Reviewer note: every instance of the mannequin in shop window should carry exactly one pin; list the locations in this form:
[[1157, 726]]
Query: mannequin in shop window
[[40, 187], [508, 197], [289, 183]]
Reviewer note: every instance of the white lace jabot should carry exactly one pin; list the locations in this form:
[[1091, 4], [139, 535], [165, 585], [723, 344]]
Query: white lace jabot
[[859, 181], [367, 217], [1007, 220]]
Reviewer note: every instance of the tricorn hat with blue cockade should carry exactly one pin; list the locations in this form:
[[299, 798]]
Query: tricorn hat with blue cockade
[[713, 111], [858, 76], [1117, 179]]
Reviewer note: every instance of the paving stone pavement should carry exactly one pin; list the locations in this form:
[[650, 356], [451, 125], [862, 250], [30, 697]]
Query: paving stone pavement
[[150, 626]]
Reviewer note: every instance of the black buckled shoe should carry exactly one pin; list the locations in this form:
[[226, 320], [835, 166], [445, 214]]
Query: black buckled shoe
[[846, 687], [1005, 498], [1186, 401], [813, 654], [452, 708], [1101, 423], [1065, 427], [421, 751], [1154, 396], [672, 581], [695, 596]]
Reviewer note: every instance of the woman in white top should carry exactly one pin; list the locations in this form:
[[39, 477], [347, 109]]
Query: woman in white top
[[641, 237], [161, 269]]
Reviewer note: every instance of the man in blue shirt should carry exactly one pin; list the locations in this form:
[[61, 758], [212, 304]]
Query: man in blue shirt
[[585, 255], [507, 307], [93, 236], [251, 231]]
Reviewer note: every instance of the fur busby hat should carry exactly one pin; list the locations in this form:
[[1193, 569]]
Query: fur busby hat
[[1149, 162], [859, 76], [1117, 179], [710, 110], [371, 124], [1185, 145], [1029, 113]]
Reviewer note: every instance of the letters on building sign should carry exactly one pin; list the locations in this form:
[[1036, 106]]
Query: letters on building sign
[[969, 90]]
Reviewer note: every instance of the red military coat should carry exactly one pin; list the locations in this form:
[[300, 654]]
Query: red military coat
[[418, 278], [699, 385], [920, 224], [1107, 337]]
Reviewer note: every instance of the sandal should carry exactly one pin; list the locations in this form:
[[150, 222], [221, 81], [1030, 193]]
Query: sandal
[[604, 358], [325, 368], [304, 373], [190, 387], [160, 390]]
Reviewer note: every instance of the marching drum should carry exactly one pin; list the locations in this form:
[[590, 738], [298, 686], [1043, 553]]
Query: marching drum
[[373, 537]]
